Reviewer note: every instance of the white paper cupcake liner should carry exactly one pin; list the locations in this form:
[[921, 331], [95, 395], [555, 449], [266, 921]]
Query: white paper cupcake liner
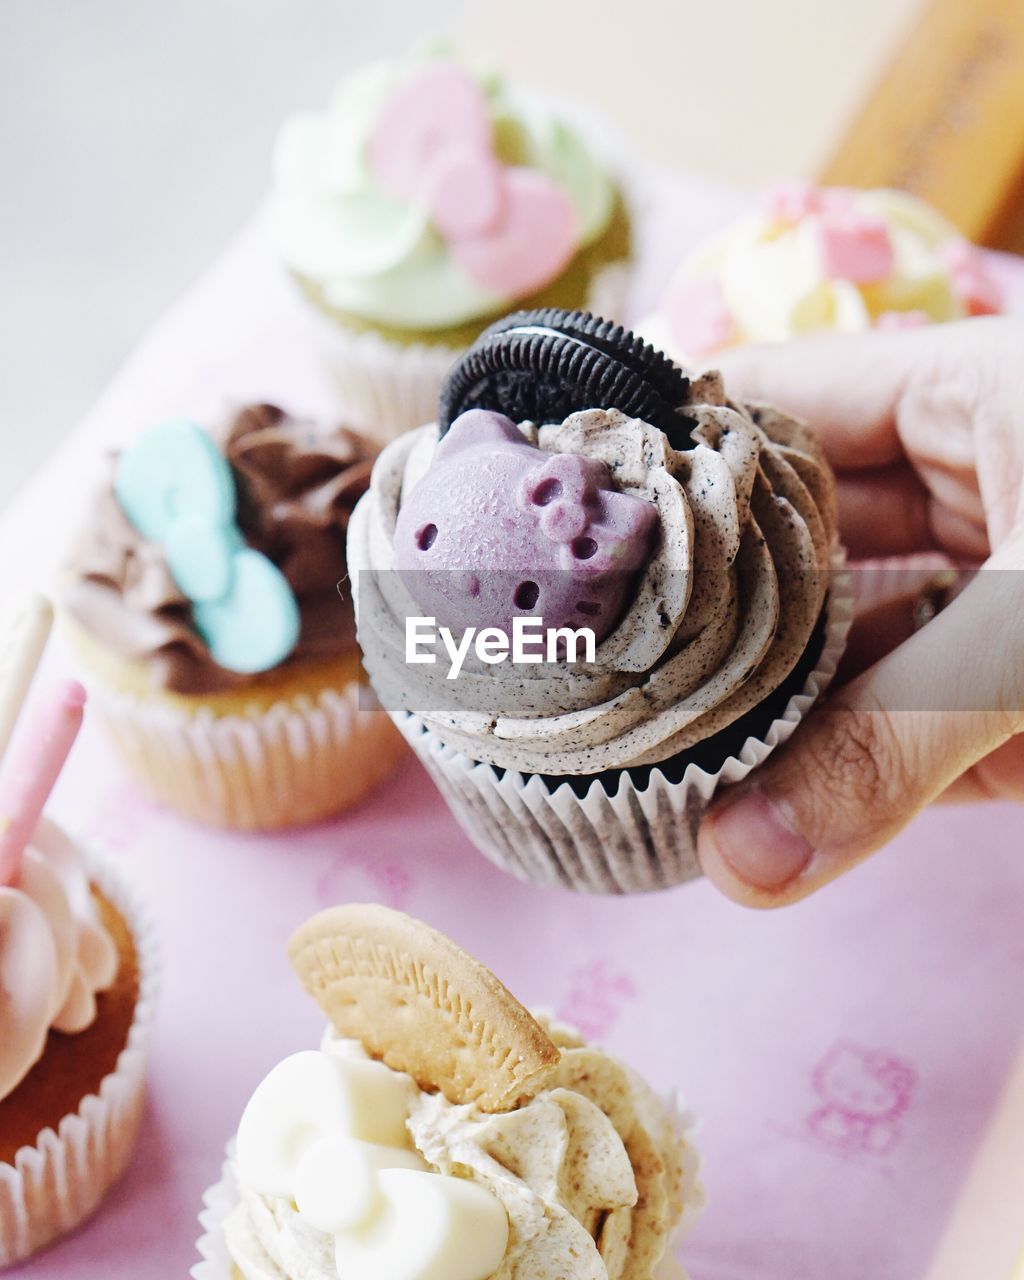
[[218, 1202], [300, 761], [388, 387], [55, 1185], [633, 841], [385, 387], [691, 1190]]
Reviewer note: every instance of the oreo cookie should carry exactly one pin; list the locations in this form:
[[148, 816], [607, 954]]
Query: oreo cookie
[[543, 365]]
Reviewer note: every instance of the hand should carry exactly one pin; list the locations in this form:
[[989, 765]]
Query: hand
[[926, 432]]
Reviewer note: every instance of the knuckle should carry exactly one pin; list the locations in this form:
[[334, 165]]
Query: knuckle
[[856, 762]]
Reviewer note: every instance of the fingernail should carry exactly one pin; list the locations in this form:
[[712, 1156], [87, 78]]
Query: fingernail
[[756, 842]]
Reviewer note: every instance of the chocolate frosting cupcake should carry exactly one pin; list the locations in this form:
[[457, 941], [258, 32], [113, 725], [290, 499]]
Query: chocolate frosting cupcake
[[296, 488]]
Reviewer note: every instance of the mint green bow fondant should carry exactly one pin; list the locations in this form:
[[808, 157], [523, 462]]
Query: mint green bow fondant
[[178, 491]]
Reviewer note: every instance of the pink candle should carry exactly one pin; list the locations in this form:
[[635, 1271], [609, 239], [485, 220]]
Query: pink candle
[[30, 768]]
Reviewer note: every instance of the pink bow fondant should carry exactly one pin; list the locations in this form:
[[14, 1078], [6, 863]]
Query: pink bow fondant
[[510, 228], [698, 316], [854, 245]]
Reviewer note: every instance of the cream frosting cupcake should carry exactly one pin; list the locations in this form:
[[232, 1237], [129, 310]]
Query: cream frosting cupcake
[[413, 1151], [807, 259], [77, 965], [53, 935], [77, 981], [695, 535], [426, 200]]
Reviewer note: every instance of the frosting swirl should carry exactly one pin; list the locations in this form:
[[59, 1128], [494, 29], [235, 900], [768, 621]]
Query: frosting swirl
[[297, 486], [593, 1175], [426, 197], [833, 258], [723, 609], [55, 954]]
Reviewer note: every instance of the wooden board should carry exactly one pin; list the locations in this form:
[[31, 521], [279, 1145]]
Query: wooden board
[[741, 90], [946, 120]]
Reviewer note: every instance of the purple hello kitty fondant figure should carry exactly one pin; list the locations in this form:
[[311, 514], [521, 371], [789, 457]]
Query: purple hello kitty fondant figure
[[499, 529]]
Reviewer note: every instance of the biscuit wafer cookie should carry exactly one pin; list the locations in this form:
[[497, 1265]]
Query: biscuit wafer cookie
[[422, 1005]]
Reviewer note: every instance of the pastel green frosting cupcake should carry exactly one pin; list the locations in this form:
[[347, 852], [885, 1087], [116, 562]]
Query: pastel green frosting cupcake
[[380, 260]]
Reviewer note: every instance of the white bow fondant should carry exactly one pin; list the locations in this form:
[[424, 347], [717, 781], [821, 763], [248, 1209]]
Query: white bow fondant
[[326, 1130]]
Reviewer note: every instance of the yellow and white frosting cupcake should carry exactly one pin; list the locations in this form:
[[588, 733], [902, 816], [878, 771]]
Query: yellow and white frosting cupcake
[[807, 259]]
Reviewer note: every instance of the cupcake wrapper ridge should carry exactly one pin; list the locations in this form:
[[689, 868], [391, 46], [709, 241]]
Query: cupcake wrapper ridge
[[300, 761], [218, 1202]]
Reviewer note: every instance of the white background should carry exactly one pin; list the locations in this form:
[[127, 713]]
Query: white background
[[134, 139]]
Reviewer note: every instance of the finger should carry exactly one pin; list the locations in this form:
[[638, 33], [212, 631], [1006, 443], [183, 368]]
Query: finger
[[848, 388], [876, 752], [884, 513], [957, 511], [879, 628], [1000, 776], [875, 633], [960, 536], [890, 512]]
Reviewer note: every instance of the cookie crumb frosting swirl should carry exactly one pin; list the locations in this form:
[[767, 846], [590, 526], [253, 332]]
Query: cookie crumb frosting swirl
[[394, 1150], [596, 1175], [725, 606]]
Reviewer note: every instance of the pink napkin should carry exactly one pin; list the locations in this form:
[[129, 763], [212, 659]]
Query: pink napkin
[[845, 1056]]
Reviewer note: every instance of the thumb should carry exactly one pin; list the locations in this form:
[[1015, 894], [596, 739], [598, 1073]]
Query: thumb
[[876, 752]]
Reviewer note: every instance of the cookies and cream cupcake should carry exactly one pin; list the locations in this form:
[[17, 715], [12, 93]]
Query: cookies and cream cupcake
[[579, 478], [442, 1132], [807, 259], [427, 200], [205, 598], [77, 995]]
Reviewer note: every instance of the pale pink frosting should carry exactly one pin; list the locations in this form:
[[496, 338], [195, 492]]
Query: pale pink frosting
[[55, 954]]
